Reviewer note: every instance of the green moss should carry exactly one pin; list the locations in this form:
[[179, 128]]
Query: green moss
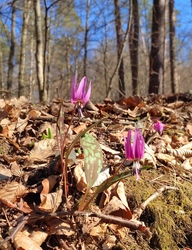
[[169, 216]]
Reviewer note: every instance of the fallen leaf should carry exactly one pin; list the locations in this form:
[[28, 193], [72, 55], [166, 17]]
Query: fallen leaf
[[22, 242], [50, 202], [12, 190], [42, 150]]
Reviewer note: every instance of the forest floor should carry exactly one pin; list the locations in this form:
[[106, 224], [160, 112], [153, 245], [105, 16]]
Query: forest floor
[[38, 211]]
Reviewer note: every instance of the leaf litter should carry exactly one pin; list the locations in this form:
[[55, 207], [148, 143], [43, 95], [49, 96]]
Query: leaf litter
[[129, 214]]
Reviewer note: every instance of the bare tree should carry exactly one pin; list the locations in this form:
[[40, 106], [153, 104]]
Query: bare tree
[[134, 44], [12, 49], [86, 38], [119, 35], [39, 51], [22, 84], [173, 68], [156, 55]]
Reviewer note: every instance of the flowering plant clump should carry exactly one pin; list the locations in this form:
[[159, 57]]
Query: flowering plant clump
[[134, 149], [79, 95], [159, 126]]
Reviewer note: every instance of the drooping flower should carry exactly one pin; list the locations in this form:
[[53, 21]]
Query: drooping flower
[[79, 94], [134, 146], [158, 126], [134, 149]]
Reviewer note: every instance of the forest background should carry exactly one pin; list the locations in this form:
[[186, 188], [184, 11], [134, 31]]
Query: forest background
[[123, 47]]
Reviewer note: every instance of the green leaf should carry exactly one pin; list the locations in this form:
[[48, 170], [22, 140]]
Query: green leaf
[[93, 158]]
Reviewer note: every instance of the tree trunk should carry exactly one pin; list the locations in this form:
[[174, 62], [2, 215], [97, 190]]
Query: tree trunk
[[39, 52], [32, 67], [22, 84], [86, 38], [172, 44], [2, 84], [156, 56], [119, 48], [12, 50], [134, 44]]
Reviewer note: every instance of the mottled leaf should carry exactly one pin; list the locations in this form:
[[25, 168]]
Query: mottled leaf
[[93, 158]]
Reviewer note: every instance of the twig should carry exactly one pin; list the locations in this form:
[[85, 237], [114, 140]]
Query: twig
[[132, 224], [138, 211]]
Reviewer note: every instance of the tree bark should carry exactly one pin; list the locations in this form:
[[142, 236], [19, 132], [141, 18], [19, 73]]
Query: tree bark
[[172, 44], [156, 55], [12, 49], [119, 35], [39, 52], [86, 38], [134, 44], [22, 84]]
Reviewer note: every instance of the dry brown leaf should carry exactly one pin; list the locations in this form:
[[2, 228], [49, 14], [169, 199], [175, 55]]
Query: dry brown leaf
[[39, 236], [33, 113], [48, 184], [114, 202], [131, 101], [50, 202], [79, 175], [21, 124], [59, 227], [136, 112], [109, 150], [99, 230], [117, 208], [149, 157], [119, 230], [110, 242], [176, 105], [165, 157], [19, 102], [4, 173], [43, 149], [9, 125], [22, 242], [12, 191], [187, 165], [79, 128]]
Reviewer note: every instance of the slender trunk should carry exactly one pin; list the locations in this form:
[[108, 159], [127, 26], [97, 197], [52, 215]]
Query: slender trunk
[[109, 90], [134, 44], [164, 77], [68, 61], [39, 52], [32, 66], [2, 84], [172, 44], [156, 56], [12, 50], [86, 38], [119, 35], [48, 67], [22, 84]]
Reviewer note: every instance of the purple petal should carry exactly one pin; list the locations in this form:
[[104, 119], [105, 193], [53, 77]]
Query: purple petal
[[128, 146], [73, 89], [159, 126], [138, 145], [81, 89], [88, 94]]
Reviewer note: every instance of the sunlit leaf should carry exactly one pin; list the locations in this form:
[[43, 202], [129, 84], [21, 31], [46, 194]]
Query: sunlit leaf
[[93, 158]]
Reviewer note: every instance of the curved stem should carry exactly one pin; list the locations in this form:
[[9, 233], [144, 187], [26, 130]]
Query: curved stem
[[105, 183]]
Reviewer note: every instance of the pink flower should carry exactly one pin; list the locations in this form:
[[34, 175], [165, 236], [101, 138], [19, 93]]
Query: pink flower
[[159, 126], [79, 95], [134, 146], [134, 149]]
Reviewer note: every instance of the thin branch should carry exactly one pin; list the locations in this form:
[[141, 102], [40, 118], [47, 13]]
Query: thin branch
[[139, 210]]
